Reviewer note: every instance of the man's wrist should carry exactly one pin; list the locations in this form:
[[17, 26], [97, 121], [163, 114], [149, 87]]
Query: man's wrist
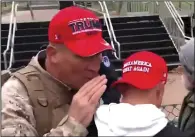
[[77, 128]]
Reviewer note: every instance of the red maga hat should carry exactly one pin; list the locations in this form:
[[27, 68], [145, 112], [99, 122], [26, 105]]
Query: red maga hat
[[143, 70], [79, 30]]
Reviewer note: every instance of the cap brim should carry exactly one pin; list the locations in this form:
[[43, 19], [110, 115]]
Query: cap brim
[[140, 83], [88, 47]]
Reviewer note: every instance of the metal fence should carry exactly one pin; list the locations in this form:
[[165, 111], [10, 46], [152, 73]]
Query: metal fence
[[172, 112]]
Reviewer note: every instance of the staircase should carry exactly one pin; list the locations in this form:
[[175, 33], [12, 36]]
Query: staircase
[[133, 33]]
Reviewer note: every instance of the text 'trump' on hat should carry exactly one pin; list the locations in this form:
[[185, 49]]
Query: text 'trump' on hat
[[79, 30], [143, 70]]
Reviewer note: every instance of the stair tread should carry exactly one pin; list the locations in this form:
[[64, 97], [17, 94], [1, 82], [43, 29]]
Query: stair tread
[[134, 19], [144, 42], [30, 29], [121, 23], [135, 24], [42, 35], [21, 60], [173, 63], [43, 5], [166, 55], [27, 44], [151, 49], [4, 37], [25, 51], [129, 29], [139, 35]]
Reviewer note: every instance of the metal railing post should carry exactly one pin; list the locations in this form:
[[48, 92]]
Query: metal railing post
[[9, 36], [13, 38], [112, 31]]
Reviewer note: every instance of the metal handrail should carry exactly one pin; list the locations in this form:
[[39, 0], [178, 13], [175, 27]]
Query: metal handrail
[[177, 14], [173, 14], [177, 18], [172, 25], [112, 31], [106, 21], [13, 38], [31, 10], [9, 36], [108, 27]]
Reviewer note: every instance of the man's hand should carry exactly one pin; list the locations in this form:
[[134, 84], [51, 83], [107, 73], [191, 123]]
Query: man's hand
[[86, 100]]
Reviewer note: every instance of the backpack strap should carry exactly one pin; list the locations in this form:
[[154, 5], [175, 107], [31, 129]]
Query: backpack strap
[[5, 75], [31, 79]]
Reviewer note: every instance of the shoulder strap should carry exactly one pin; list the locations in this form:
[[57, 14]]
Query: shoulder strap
[[171, 130], [31, 79], [6, 74]]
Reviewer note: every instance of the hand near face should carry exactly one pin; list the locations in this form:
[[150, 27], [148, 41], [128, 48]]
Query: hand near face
[[86, 100]]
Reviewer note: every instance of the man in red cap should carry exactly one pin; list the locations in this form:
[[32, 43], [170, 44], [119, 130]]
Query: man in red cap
[[58, 92], [142, 87]]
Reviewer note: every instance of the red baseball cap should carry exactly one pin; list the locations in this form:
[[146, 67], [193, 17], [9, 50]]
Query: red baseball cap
[[79, 30], [143, 70]]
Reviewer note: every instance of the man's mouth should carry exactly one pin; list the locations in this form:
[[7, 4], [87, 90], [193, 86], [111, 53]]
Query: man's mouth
[[91, 76]]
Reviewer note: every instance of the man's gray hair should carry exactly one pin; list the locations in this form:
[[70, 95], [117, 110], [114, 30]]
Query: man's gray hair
[[186, 56]]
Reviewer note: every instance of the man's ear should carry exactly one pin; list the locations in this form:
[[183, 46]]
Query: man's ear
[[160, 89], [160, 93], [51, 53]]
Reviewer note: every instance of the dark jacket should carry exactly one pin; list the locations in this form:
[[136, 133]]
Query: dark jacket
[[172, 131], [187, 113]]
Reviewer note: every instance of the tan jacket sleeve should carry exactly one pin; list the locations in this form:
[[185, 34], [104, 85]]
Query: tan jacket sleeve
[[18, 119]]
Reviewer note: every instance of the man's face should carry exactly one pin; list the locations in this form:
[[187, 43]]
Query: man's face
[[74, 70]]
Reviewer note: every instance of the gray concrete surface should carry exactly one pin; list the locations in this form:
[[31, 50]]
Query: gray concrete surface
[[25, 16], [174, 90]]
